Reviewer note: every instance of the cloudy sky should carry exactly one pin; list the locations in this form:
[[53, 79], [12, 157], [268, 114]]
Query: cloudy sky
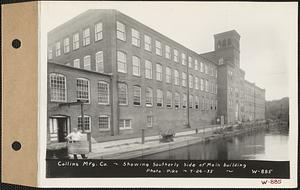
[[268, 31]]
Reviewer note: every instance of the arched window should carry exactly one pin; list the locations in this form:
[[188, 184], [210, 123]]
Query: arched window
[[219, 44], [136, 95], [224, 43], [229, 42], [58, 88], [83, 89], [103, 92]]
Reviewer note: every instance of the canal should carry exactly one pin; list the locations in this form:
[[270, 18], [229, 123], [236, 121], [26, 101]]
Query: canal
[[263, 144]]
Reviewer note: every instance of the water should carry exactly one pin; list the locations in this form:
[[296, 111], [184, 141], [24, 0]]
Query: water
[[270, 144]]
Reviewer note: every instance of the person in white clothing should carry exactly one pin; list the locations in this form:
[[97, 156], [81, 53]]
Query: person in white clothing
[[73, 137]]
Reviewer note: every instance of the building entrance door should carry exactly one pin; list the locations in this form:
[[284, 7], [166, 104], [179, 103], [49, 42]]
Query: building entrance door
[[58, 128]]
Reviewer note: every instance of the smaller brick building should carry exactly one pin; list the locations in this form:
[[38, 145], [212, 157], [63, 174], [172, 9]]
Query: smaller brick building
[[70, 85]]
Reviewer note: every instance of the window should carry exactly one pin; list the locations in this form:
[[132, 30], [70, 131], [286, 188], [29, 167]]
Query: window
[[196, 65], [191, 101], [216, 73], [159, 98], [149, 121], [123, 94], [66, 45], [50, 54], [184, 101], [196, 83], [206, 69], [136, 95], [177, 100], [103, 92], [122, 65], [98, 32], [76, 63], [104, 123], [75, 41], [83, 89], [176, 77], [57, 49], [202, 103], [135, 38], [124, 124], [168, 75], [148, 69], [158, 48], [206, 85], [86, 123], [201, 67], [176, 55], [158, 72], [86, 37], [196, 102], [87, 62], [148, 45], [221, 61], [168, 52], [121, 34], [190, 62], [169, 99], [58, 89], [201, 84], [229, 42], [183, 79], [191, 81], [149, 96], [136, 66], [183, 59], [99, 62]]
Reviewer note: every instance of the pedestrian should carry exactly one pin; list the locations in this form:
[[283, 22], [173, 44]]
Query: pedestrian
[[74, 137]]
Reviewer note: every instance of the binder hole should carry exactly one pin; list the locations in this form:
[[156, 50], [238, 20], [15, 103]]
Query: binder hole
[[16, 145], [16, 43]]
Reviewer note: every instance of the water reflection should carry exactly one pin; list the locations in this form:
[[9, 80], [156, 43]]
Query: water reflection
[[269, 144]]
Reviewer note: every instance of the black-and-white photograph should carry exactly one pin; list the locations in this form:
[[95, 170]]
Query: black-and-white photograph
[[143, 82]]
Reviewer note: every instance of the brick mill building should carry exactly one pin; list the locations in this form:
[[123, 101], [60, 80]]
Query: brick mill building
[[132, 77]]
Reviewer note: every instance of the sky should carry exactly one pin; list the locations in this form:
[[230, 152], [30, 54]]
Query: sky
[[268, 44]]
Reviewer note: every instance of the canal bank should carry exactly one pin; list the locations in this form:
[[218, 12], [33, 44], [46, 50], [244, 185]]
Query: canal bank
[[134, 148]]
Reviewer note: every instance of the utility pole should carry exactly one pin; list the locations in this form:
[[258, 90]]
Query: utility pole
[[80, 102], [188, 91], [254, 103]]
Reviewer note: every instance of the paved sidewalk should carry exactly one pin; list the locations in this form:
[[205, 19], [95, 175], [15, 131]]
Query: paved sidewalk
[[130, 148]]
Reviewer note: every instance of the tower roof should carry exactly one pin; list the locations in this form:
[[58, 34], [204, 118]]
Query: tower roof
[[233, 33]]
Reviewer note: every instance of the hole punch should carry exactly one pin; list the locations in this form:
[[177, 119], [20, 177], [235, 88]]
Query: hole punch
[[16, 43], [16, 145]]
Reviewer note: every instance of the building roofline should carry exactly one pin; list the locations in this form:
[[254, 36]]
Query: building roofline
[[104, 74], [90, 11], [230, 31], [74, 19]]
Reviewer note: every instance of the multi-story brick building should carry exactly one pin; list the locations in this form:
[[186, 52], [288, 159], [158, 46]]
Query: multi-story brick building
[[133, 78], [238, 99]]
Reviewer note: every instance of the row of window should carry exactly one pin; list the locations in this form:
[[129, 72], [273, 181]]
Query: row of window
[[194, 82], [122, 64], [86, 40], [169, 99], [136, 41], [58, 93], [58, 89]]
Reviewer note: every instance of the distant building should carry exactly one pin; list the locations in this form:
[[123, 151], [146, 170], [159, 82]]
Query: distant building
[[278, 109], [134, 78]]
